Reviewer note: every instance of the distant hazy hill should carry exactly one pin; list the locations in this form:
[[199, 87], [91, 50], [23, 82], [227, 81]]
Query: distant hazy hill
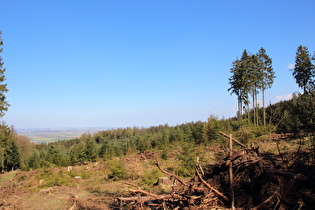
[[45, 135]]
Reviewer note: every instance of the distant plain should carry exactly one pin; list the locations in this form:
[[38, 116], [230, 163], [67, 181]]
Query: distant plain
[[46, 135]]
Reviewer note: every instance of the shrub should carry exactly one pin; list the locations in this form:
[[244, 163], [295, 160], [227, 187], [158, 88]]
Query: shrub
[[187, 156], [73, 173], [85, 174], [245, 133], [151, 176], [117, 170], [54, 179], [164, 154]]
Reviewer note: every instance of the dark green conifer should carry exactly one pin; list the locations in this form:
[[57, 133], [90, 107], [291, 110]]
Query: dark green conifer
[[3, 87], [304, 71], [265, 66]]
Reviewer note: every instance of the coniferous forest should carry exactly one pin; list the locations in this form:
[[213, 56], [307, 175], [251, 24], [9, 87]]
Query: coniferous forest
[[254, 123]]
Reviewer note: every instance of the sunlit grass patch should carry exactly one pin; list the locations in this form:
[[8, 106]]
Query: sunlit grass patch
[[7, 176]]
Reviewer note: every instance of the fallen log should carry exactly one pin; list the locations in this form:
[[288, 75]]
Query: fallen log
[[135, 198], [148, 198], [139, 190]]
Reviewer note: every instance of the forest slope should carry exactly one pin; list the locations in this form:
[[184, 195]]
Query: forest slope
[[97, 185]]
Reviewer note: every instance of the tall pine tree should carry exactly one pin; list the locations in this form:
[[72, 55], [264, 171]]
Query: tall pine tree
[[250, 75], [239, 81], [3, 87], [265, 66], [304, 71]]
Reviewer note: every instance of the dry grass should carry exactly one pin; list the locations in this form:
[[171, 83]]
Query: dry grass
[[282, 146], [29, 189]]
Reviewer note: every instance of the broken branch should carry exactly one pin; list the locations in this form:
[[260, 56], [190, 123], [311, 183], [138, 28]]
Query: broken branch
[[139, 190], [170, 174], [227, 136], [263, 203], [209, 186]]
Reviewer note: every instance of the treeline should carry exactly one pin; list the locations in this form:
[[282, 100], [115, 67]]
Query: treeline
[[293, 116], [19, 152], [123, 141]]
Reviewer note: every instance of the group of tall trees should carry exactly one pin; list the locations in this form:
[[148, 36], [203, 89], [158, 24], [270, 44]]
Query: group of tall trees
[[251, 74]]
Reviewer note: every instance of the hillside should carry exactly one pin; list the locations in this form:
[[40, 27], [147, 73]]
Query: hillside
[[100, 184], [272, 165]]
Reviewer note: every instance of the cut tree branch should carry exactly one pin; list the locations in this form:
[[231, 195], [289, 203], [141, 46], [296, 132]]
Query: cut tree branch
[[170, 174], [227, 136], [209, 186], [263, 203], [138, 190], [148, 197]]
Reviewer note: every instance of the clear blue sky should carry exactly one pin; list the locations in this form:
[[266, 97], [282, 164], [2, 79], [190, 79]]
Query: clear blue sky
[[114, 63]]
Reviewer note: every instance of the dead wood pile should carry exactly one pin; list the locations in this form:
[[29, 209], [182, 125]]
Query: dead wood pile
[[244, 180]]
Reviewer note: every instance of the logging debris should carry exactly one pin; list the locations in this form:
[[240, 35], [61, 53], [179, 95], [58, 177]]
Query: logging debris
[[255, 183]]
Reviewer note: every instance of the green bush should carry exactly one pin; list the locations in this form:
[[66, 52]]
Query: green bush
[[164, 154], [184, 172], [117, 170], [187, 156], [151, 176], [54, 179], [85, 174], [73, 173], [245, 133]]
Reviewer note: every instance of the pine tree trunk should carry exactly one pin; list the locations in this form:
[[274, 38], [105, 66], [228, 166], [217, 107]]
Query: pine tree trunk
[[248, 114], [254, 110], [264, 110], [257, 108], [239, 114]]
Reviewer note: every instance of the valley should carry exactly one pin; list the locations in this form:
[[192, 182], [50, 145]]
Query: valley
[[47, 135]]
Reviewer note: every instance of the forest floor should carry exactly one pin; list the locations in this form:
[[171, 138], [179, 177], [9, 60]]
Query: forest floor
[[89, 186]]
